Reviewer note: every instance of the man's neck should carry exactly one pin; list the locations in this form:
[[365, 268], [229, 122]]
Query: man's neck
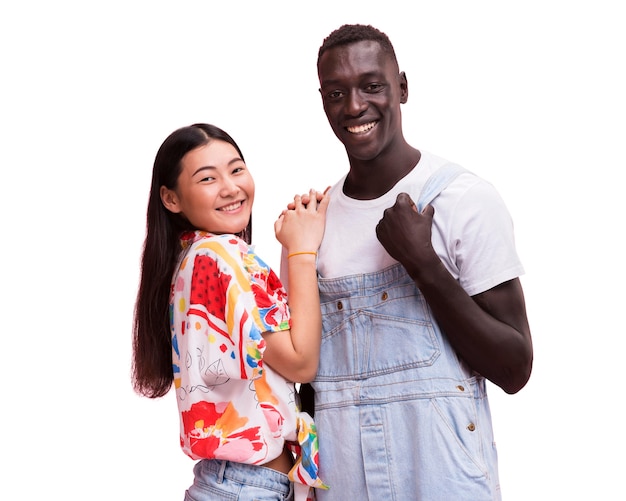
[[371, 179]]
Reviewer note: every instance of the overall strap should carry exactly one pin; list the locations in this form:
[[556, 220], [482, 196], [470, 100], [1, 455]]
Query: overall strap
[[437, 182]]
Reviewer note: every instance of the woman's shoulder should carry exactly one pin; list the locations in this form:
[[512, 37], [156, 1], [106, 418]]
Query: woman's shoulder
[[204, 242]]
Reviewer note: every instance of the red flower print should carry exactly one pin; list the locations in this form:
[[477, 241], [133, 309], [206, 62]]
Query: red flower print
[[220, 435], [274, 285], [208, 286], [261, 297]]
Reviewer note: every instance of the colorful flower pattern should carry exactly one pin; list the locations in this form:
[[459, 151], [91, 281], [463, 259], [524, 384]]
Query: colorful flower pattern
[[231, 406]]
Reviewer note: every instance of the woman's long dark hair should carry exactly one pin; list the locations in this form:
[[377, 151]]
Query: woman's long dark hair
[[152, 374]]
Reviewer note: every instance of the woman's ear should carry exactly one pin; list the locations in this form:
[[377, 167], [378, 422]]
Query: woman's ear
[[170, 200]]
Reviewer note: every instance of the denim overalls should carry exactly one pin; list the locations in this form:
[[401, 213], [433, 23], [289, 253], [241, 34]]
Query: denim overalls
[[399, 416]]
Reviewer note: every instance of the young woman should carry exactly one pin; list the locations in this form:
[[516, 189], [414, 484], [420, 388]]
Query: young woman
[[212, 318]]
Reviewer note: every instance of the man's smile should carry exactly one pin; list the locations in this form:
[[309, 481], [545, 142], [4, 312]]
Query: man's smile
[[360, 129]]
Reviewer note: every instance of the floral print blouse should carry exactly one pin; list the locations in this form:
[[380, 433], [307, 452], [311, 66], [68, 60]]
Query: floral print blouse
[[231, 406]]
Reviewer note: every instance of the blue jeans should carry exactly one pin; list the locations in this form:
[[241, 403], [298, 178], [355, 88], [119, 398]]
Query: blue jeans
[[216, 480], [399, 416]]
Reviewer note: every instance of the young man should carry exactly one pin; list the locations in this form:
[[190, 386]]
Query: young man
[[420, 306]]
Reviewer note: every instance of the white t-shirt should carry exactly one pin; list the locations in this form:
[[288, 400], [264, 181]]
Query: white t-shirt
[[472, 230]]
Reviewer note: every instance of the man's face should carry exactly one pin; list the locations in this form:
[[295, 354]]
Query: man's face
[[362, 90]]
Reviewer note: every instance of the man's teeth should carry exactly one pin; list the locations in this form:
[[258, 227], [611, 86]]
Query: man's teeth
[[231, 207], [357, 129]]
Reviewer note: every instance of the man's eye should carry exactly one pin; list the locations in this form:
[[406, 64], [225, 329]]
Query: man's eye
[[375, 87], [335, 94]]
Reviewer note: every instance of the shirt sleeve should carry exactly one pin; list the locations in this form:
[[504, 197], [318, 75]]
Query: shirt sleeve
[[480, 241], [233, 299]]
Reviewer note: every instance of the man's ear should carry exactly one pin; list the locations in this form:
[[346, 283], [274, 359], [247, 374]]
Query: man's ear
[[404, 88], [170, 200]]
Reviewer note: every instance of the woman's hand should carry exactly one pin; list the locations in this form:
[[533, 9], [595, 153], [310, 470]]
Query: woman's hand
[[300, 227], [306, 198]]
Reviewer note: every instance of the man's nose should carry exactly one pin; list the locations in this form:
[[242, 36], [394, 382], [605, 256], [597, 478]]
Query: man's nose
[[355, 103]]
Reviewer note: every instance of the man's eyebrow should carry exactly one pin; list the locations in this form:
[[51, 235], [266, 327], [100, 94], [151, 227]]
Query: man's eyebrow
[[370, 75]]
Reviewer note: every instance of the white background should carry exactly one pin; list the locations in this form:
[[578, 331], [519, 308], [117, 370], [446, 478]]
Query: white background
[[530, 95]]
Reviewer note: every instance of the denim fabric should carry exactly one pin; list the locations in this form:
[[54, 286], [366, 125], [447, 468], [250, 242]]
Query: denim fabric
[[216, 480], [399, 416], [437, 182]]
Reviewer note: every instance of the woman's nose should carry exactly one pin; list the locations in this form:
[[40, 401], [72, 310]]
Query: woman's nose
[[229, 187]]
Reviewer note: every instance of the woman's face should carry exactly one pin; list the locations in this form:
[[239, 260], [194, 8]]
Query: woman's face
[[215, 190]]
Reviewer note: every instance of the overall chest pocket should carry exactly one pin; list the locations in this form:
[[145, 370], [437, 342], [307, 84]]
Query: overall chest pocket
[[372, 335]]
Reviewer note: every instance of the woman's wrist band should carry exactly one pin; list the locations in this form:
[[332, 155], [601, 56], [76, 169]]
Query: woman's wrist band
[[303, 252]]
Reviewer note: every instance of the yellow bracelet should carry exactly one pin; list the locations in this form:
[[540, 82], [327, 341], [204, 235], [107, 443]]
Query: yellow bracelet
[[303, 252]]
